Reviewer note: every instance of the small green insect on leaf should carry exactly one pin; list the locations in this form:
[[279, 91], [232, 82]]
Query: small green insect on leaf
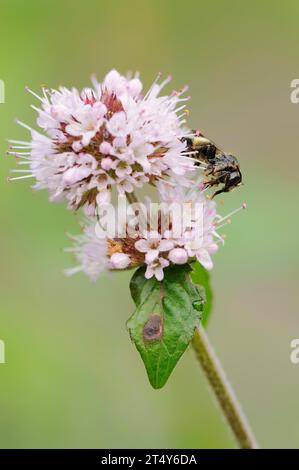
[[201, 277], [165, 318]]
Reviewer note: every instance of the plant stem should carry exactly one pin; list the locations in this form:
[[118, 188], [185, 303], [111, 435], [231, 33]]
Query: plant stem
[[132, 199], [223, 391]]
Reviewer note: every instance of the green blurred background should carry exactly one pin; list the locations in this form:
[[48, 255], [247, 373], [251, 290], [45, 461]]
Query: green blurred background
[[72, 377]]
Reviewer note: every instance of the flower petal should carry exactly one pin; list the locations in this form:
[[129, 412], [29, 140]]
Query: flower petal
[[205, 259], [151, 255], [166, 245], [142, 245]]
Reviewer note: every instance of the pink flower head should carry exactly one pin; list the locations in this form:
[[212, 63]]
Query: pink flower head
[[112, 128]]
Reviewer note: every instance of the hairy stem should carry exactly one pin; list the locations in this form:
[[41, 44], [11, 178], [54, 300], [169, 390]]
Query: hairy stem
[[223, 390], [131, 197]]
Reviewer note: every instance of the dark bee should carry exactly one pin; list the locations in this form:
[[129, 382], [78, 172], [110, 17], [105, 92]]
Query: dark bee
[[219, 167]]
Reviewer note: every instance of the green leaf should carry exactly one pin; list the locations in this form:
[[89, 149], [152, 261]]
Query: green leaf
[[165, 318], [201, 277]]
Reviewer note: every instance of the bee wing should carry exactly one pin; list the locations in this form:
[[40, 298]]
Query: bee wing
[[200, 134], [219, 150]]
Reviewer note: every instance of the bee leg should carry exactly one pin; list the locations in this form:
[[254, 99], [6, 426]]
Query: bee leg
[[222, 190], [212, 182], [223, 179], [209, 171], [198, 163]]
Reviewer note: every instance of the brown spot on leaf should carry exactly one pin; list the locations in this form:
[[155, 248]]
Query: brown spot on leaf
[[153, 329]]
